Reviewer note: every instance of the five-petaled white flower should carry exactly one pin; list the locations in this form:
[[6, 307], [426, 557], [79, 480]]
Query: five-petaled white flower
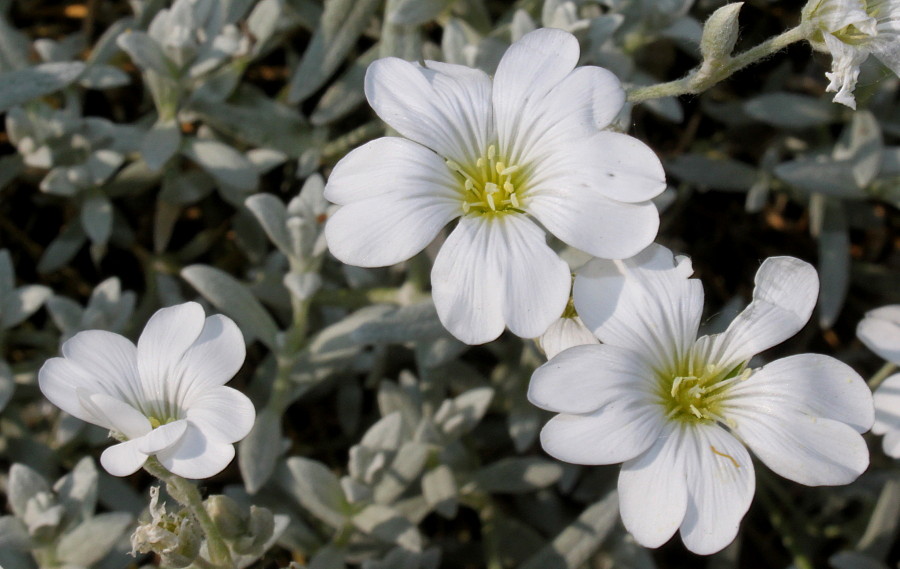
[[880, 331], [851, 30], [502, 156], [678, 410], [164, 397]]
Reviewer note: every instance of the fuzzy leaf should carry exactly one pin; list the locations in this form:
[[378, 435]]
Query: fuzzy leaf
[[20, 86]]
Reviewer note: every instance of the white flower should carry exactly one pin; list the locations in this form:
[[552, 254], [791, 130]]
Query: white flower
[[502, 156], [165, 397], [851, 30], [677, 410], [880, 331], [567, 331]]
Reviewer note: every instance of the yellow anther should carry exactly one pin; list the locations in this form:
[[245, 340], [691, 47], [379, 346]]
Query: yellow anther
[[470, 185], [492, 151], [513, 199], [454, 166], [510, 170], [696, 412], [499, 167], [490, 200], [480, 162]]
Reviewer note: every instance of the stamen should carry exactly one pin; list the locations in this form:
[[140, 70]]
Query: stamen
[[728, 456], [489, 186]]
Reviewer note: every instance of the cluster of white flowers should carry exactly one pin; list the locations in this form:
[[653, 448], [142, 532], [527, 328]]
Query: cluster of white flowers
[[512, 159]]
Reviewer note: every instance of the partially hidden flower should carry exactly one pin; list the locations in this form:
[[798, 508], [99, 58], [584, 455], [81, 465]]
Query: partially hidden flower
[[880, 331], [851, 30], [164, 397], [567, 331], [509, 158], [678, 410]]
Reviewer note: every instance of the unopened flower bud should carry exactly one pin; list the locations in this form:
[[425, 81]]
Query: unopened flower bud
[[227, 515]]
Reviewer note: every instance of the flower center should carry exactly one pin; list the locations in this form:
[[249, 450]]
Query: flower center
[[697, 398], [491, 185]]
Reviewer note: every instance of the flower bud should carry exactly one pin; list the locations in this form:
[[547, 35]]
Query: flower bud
[[227, 515], [720, 33]]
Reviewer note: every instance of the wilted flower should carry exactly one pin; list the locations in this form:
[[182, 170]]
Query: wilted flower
[[175, 537], [880, 331], [165, 397], [677, 410], [851, 30], [499, 155]]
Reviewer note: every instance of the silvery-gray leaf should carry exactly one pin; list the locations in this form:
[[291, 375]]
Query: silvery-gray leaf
[[356, 491], [24, 483], [687, 32], [437, 352], [62, 249], [101, 76], [91, 540], [418, 322], [22, 303], [790, 110], [834, 262], [881, 530], [10, 168], [439, 489], [102, 164], [346, 93], [266, 159], [460, 415], [7, 384], [338, 340], [386, 524], [861, 143], [316, 489], [57, 182], [77, 490], [712, 173], [263, 21], [523, 423], [97, 217], [185, 188], [400, 41], [349, 406], [403, 470], [146, 53], [575, 544], [341, 25], [20, 86], [391, 398], [854, 560], [456, 40], [518, 475], [415, 12], [134, 178], [821, 174], [64, 49], [258, 453], [13, 535], [160, 143], [329, 557], [522, 23], [234, 299], [7, 274], [302, 286], [228, 166], [386, 434], [272, 216], [14, 47]]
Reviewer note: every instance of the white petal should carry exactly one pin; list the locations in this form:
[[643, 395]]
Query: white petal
[[497, 270], [563, 334], [887, 406], [123, 459], [396, 196], [798, 433], [880, 331], [891, 444], [59, 379], [162, 437], [785, 295], [618, 432], [223, 414], [720, 488], [196, 456], [114, 414], [111, 361], [166, 337], [812, 385], [447, 112], [212, 360], [529, 69], [846, 60], [583, 379], [585, 101], [653, 490], [647, 304]]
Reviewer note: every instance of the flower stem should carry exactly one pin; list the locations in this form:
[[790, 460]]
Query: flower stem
[[187, 494], [880, 375], [711, 72]]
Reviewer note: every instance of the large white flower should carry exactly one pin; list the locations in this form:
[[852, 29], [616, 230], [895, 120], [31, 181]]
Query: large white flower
[[880, 331], [165, 397], [851, 30], [502, 156], [678, 410]]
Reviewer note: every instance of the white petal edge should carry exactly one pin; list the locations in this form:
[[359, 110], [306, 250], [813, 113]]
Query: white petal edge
[[109, 360], [618, 432], [653, 490], [721, 484], [887, 406], [583, 379], [223, 414], [212, 360], [162, 437], [123, 459], [114, 414], [880, 332], [563, 334], [195, 456]]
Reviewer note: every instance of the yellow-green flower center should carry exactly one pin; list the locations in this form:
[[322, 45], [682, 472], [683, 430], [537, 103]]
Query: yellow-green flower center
[[696, 396], [491, 185]]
